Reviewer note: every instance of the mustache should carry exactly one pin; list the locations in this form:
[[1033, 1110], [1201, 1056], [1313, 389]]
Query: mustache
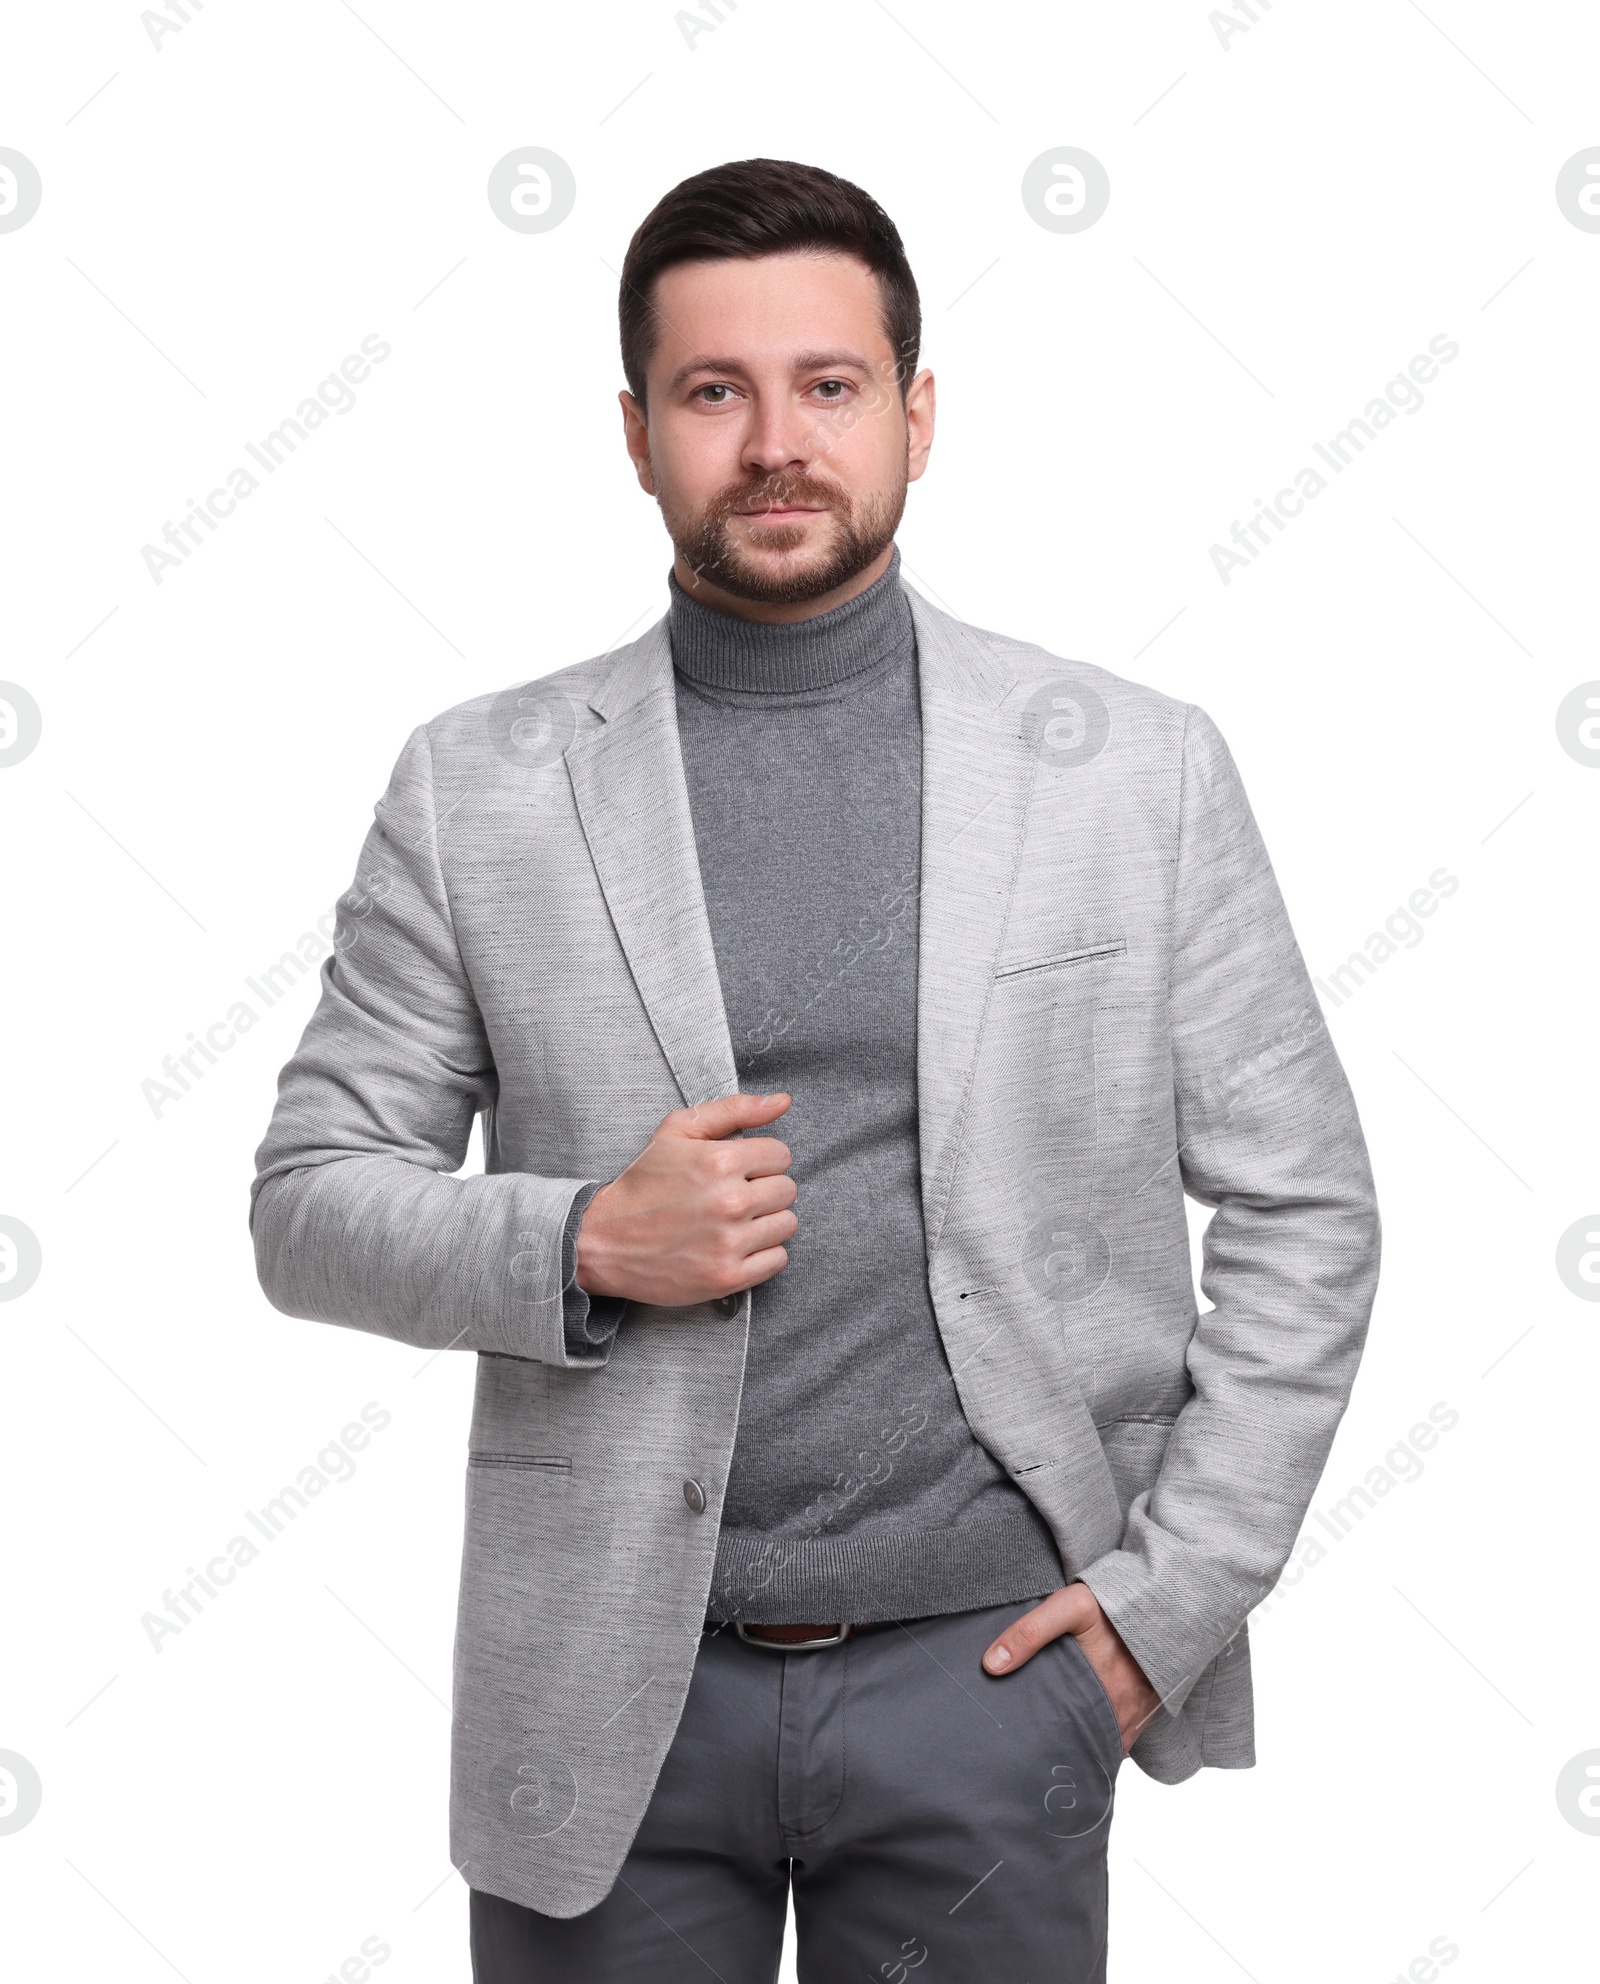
[[778, 492]]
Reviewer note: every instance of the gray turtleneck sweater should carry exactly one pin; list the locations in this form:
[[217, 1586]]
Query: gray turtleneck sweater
[[857, 1489]]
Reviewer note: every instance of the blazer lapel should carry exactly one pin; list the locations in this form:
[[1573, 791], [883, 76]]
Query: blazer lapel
[[631, 795], [977, 774]]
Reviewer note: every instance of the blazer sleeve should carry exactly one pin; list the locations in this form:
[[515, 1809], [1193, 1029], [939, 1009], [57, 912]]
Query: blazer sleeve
[[1268, 1135], [354, 1215]]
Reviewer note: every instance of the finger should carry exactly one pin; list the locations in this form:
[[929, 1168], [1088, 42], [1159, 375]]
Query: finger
[[762, 1267], [1060, 1613], [772, 1229], [761, 1157], [724, 1115], [772, 1194]]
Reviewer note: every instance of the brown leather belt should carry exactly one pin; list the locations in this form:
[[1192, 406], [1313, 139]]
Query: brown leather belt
[[803, 1639]]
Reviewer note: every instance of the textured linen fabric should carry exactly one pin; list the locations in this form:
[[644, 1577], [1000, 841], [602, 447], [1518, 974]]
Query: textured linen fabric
[[1112, 1014], [857, 1489]]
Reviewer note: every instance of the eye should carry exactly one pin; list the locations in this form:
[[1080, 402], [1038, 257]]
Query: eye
[[714, 388], [833, 389]]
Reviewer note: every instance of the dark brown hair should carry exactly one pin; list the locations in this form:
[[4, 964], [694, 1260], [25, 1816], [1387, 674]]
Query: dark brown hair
[[764, 206]]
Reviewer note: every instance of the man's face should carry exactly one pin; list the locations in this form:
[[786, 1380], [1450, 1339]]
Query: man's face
[[776, 439]]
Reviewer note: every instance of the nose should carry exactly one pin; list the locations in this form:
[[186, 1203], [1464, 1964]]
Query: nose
[[781, 439]]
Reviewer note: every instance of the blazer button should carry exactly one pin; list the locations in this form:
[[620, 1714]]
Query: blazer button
[[695, 1496], [727, 1305]]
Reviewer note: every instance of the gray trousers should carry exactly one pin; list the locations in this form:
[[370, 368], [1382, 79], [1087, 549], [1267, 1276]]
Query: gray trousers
[[940, 1825]]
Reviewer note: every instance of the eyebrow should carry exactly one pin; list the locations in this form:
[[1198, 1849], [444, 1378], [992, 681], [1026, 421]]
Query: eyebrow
[[805, 361]]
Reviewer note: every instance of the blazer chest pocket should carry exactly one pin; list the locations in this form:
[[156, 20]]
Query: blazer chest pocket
[[1055, 960]]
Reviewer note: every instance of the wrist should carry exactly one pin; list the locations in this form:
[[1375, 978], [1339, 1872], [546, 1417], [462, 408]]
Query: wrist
[[590, 1253]]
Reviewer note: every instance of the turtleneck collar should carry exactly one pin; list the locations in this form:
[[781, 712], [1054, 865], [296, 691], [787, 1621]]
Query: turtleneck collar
[[720, 651]]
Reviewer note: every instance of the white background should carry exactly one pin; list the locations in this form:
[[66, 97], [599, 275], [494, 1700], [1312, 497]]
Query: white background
[[1297, 215]]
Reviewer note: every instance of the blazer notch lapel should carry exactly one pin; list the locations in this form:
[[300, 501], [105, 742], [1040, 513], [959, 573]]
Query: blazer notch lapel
[[977, 776], [629, 788]]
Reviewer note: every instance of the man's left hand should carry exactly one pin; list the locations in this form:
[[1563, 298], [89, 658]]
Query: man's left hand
[[1075, 1609]]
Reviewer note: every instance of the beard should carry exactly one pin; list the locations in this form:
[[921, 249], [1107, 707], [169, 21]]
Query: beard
[[860, 531]]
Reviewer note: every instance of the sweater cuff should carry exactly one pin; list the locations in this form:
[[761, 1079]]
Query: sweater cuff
[[589, 1322]]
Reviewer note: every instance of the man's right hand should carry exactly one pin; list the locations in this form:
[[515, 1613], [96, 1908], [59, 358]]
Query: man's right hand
[[701, 1212]]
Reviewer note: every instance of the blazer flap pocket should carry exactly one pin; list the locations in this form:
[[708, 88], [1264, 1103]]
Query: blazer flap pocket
[[526, 1463]]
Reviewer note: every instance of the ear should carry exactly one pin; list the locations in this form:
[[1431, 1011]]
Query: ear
[[919, 424], [636, 436]]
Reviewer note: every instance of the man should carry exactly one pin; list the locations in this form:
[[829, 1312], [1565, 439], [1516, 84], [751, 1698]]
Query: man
[[851, 997]]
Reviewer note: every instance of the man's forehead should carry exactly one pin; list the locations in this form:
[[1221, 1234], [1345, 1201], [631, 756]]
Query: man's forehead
[[774, 309]]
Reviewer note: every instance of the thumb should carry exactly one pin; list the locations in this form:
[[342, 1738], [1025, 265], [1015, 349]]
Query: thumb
[[1072, 1609], [726, 1114]]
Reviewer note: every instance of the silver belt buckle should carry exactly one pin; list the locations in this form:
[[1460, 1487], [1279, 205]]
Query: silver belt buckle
[[793, 1646]]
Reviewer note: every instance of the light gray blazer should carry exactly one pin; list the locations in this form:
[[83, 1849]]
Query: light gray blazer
[[1112, 1012]]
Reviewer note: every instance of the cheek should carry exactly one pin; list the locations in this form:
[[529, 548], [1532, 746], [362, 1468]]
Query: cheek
[[692, 461], [868, 455]]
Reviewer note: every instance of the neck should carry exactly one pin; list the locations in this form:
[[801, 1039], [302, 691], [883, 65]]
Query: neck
[[722, 653], [786, 614]]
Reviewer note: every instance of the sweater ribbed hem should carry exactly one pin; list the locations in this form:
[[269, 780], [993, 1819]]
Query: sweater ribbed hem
[[895, 1574]]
